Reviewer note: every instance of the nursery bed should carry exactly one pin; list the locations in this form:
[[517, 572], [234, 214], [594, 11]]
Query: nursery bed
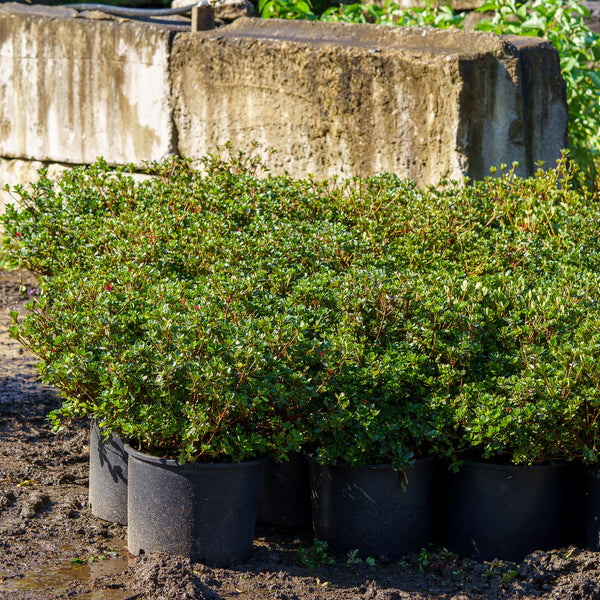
[[52, 547]]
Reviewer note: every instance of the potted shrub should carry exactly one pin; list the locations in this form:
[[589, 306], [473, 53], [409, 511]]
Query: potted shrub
[[162, 364], [218, 317], [528, 402], [373, 483], [174, 326], [370, 504]]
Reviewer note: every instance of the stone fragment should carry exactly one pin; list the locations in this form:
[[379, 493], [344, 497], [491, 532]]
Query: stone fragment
[[33, 503]]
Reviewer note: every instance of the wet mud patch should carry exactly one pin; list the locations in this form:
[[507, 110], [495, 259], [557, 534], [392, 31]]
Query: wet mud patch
[[52, 547]]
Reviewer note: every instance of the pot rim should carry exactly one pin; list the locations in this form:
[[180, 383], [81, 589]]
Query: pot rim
[[375, 467], [169, 462], [482, 464]]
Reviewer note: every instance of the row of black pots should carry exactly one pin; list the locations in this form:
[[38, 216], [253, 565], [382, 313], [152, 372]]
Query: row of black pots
[[208, 512], [284, 490], [485, 511]]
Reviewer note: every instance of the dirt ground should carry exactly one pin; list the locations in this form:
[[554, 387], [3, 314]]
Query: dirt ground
[[52, 547]]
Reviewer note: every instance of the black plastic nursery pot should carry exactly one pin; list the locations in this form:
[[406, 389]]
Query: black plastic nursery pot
[[380, 512], [592, 505], [506, 511], [108, 477], [285, 493], [206, 512]]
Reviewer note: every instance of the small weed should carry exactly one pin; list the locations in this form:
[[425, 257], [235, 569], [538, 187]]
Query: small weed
[[352, 558], [314, 556], [493, 567], [496, 567], [423, 559], [509, 576], [446, 555], [105, 555]]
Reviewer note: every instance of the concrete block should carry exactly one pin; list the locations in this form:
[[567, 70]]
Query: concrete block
[[73, 89], [544, 100], [331, 98], [338, 99]]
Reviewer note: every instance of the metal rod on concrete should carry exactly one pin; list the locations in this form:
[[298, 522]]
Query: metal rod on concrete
[[122, 11]]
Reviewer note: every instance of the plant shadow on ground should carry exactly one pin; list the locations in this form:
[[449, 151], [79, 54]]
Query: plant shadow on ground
[[47, 532]]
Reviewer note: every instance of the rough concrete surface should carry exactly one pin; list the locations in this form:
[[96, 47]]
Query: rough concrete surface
[[331, 98], [351, 100], [544, 93], [72, 89]]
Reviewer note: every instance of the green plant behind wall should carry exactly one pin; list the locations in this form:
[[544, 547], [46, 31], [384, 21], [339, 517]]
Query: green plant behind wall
[[390, 13]]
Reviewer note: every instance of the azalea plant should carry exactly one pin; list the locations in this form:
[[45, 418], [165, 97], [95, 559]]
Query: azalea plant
[[227, 314]]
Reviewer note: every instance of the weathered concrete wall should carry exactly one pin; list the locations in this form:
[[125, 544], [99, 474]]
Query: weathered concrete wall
[[360, 99], [330, 98], [71, 89], [544, 106]]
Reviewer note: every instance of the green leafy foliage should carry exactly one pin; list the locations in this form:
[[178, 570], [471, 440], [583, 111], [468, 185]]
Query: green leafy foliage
[[225, 314], [286, 9], [314, 556], [390, 13]]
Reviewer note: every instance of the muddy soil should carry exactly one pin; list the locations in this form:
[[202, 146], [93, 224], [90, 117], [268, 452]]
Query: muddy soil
[[52, 547]]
